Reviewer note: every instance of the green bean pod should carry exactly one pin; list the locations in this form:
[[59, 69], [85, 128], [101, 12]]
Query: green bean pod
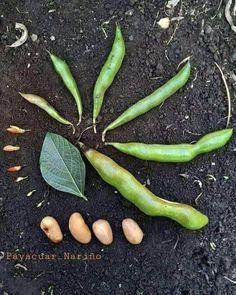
[[130, 188], [44, 105], [175, 153], [108, 73], [63, 70], [153, 100]]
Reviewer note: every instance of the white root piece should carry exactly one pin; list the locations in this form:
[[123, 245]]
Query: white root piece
[[23, 37], [184, 61], [228, 15], [231, 281], [228, 94]]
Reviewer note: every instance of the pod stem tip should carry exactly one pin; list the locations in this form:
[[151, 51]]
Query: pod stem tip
[[103, 135], [94, 125]]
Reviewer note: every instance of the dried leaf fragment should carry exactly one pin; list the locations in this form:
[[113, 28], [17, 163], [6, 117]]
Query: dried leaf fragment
[[22, 28]]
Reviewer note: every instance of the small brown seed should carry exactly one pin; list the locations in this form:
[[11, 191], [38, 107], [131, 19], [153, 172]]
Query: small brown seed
[[14, 169], [16, 130], [79, 229], [103, 231], [51, 228], [132, 231]]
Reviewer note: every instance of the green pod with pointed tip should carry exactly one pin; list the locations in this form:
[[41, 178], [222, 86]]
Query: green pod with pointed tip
[[48, 108], [153, 100], [63, 70], [131, 189], [175, 153], [108, 72]]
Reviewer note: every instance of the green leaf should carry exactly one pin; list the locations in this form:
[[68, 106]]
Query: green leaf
[[62, 166]]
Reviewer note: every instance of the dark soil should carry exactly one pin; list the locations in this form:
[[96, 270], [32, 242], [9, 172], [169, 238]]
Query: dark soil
[[171, 259]]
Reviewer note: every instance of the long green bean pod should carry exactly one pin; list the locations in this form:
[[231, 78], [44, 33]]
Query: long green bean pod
[[44, 105], [154, 99], [63, 70], [108, 73], [130, 188], [175, 153]]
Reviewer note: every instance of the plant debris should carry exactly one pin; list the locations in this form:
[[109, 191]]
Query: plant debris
[[11, 148], [23, 37], [21, 178], [18, 265], [40, 204], [228, 94], [17, 130], [31, 193], [172, 3], [14, 168], [228, 15]]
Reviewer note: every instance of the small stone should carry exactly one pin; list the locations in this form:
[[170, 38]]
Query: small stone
[[34, 37], [164, 23], [52, 38], [131, 38], [208, 29]]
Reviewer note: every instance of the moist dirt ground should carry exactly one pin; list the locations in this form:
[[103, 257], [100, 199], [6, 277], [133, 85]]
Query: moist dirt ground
[[171, 259]]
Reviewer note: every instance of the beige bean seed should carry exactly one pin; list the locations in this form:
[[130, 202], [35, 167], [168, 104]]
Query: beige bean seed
[[103, 231], [51, 228], [132, 231], [79, 229]]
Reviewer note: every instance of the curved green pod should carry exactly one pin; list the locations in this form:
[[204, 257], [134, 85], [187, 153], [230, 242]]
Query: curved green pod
[[153, 100], [175, 153], [63, 70], [48, 108], [108, 72], [131, 189]]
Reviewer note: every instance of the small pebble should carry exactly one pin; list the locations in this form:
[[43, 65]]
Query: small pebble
[[208, 29], [34, 37], [52, 38]]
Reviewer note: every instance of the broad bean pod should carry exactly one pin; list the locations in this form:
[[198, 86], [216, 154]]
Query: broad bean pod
[[175, 153], [44, 105], [63, 70], [108, 73], [153, 100], [131, 189]]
